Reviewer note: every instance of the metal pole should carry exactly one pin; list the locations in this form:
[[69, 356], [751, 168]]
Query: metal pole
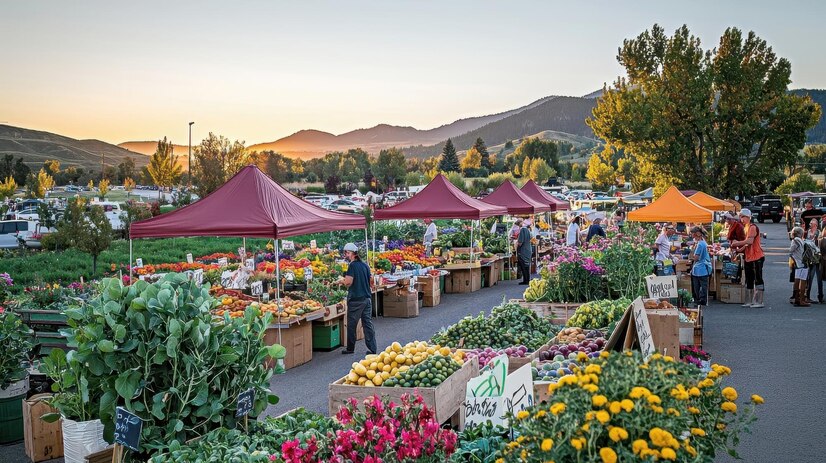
[[374, 295], [278, 285], [130, 261], [189, 160]]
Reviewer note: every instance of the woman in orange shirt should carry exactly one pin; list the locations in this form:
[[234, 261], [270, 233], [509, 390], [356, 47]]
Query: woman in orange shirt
[[754, 257]]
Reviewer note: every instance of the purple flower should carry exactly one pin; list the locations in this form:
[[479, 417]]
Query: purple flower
[[5, 277]]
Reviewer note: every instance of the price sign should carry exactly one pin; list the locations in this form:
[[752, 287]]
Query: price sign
[[245, 402], [198, 276], [381, 248], [385, 239], [288, 245], [257, 288], [138, 262], [189, 259], [643, 329], [313, 244], [242, 253], [265, 297], [289, 276], [226, 279], [308, 273], [127, 429], [661, 287], [222, 262], [250, 263]]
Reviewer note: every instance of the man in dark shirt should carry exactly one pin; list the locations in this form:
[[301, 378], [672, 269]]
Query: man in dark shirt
[[736, 232], [808, 214], [524, 252], [359, 300], [595, 230]]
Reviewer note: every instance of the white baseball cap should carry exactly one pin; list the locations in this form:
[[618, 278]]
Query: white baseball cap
[[745, 212], [351, 247]]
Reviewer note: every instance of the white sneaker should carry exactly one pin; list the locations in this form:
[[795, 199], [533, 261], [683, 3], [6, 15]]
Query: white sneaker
[[757, 305]]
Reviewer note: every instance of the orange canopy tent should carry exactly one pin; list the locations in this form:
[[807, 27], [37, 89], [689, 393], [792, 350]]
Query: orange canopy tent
[[672, 207], [709, 202]]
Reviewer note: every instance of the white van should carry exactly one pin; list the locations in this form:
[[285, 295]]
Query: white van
[[10, 230], [113, 212]]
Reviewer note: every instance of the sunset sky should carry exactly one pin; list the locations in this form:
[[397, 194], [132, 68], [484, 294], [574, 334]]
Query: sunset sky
[[259, 71]]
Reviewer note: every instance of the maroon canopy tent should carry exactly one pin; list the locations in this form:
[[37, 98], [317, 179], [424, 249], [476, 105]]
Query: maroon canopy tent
[[251, 205], [535, 192], [517, 202], [440, 199]]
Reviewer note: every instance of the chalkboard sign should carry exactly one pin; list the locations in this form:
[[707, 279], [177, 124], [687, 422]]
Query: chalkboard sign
[[127, 429], [245, 402]]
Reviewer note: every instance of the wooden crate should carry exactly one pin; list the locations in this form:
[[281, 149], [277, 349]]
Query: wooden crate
[[464, 280], [331, 312], [429, 286], [540, 391], [43, 441], [445, 400], [431, 301], [559, 313], [401, 303], [359, 331], [296, 338], [104, 456]]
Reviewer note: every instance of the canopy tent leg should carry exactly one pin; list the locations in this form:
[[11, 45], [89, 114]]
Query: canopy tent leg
[[471, 241], [278, 286], [130, 261], [375, 296]]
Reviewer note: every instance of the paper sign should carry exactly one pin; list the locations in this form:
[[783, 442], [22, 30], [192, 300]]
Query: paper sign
[[643, 329], [289, 276], [242, 253], [385, 239], [222, 262], [226, 278], [308, 273], [288, 245], [245, 402], [313, 244], [198, 276], [265, 297], [661, 287], [511, 396], [127, 429], [257, 288], [138, 262], [381, 248], [189, 259], [250, 264]]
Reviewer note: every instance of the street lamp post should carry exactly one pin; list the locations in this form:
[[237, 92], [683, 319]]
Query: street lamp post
[[189, 160]]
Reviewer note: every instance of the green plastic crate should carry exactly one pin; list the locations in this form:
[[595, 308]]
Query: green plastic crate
[[326, 337]]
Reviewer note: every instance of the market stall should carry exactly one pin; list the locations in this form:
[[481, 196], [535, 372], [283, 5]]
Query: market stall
[[440, 199], [672, 206], [709, 202], [536, 193], [252, 205]]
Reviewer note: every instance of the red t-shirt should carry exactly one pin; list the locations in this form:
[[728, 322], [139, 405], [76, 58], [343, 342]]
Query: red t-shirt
[[736, 232]]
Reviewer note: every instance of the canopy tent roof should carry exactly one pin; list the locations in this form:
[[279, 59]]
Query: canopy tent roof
[[440, 199], [672, 206], [688, 193], [803, 194], [536, 193], [709, 202], [647, 193], [251, 205], [735, 206], [517, 202]]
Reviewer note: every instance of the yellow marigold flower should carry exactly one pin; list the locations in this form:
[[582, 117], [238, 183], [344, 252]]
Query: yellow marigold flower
[[645, 453], [593, 368], [617, 434], [540, 414], [668, 358], [567, 380], [730, 407], [578, 443], [698, 432], [604, 354], [672, 411], [694, 410], [500, 460], [522, 414], [523, 455], [586, 427], [599, 400], [608, 455], [657, 356], [603, 416], [705, 383], [643, 366], [691, 450], [590, 416], [615, 407], [757, 399], [694, 392], [552, 387], [721, 427], [520, 439], [590, 388], [639, 445], [584, 380], [627, 405], [513, 444], [582, 356], [594, 378], [730, 393], [712, 375], [679, 392], [656, 409], [547, 444], [669, 454], [628, 353], [638, 392], [558, 408], [654, 399]]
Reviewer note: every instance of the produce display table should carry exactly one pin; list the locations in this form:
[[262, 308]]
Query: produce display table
[[490, 273], [463, 278], [446, 400]]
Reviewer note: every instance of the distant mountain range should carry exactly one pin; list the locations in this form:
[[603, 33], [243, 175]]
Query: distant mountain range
[[36, 146]]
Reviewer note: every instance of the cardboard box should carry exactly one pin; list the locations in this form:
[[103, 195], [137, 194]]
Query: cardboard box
[[732, 293], [684, 282], [429, 286], [297, 339], [665, 330], [43, 441], [401, 304], [466, 280]]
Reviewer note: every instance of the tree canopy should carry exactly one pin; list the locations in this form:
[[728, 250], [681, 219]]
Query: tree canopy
[[163, 166], [717, 120], [215, 161], [449, 161]]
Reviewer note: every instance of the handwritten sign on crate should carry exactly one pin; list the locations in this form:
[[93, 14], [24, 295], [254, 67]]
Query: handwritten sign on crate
[[495, 393], [257, 288], [189, 259], [245, 402], [222, 262], [643, 329], [128, 429], [661, 287]]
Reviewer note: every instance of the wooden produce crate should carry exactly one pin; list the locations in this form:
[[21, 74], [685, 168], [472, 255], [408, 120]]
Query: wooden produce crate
[[401, 303], [331, 312], [431, 301], [43, 441], [490, 274], [359, 331], [445, 400], [559, 313], [540, 391], [297, 338], [514, 363], [464, 280], [430, 288]]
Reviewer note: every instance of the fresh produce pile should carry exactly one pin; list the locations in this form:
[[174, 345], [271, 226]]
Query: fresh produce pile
[[537, 290], [176, 267], [570, 335], [325, 293], [598, 314], [234, 304], [295, 266], [487, 354], [508, 325], [431, 372], [592, 344], [414, 254], [558, 367], [375, 369]]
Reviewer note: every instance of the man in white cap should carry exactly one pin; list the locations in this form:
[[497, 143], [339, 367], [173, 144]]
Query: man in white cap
[[359, 300]]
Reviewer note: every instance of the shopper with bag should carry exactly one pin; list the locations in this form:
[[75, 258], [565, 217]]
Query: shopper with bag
[[701, 270], [754, 256]]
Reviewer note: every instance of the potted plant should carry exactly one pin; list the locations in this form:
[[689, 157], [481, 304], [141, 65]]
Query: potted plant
[[14, 380]]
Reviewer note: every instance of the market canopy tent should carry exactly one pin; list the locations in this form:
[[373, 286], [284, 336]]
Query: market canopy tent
[[440, 199], [647, 193], [517, 202], [709, 202], [250, 205], [672, 207], [536, 193]]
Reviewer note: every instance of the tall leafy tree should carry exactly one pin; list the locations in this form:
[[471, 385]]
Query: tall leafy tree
[[38, 184], [126, 169], [7, 188], [215, 161], [450, 161], [719, 120], [539, 171], [20, 171], [600, 172], [471, 162], [163, 166], [480, 146], [390, 167]]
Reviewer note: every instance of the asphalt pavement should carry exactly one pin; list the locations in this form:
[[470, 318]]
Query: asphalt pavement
[[777, 352]]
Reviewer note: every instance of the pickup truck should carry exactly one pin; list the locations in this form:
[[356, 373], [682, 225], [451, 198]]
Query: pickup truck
[[767, 207]]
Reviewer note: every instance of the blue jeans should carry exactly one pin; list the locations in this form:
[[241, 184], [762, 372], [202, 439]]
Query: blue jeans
[[814, 270], [699, 289]]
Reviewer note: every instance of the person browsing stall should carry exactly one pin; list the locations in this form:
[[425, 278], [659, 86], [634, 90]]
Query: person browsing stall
[[572, 238], [753, 255], [663, 243], [736, 232], [595, 230], [701, 270], [431, 234], [359, 300], [524, 251]]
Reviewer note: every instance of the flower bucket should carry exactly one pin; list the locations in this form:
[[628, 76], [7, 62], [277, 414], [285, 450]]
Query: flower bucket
[[11, 411], [81, 438]]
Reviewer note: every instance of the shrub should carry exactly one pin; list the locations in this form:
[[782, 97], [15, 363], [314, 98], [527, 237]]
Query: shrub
[[14, 337]]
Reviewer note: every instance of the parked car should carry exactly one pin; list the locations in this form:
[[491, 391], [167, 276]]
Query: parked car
[[29, 213], [396, 196], [319, 199], [11, 230], [344, 205], [113, 212], [767, 206]]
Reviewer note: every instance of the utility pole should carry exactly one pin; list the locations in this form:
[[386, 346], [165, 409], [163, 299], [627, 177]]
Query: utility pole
[[189, 160]]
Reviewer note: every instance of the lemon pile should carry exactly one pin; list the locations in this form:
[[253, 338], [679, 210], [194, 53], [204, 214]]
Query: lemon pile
[[377, 368]]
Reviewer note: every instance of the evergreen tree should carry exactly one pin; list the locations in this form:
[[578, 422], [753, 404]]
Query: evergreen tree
[[483, 150], [450, 161]]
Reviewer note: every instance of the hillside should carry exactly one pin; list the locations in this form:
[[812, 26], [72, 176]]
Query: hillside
[[37, 146], [148, 147], [314, 143], [559, 114]]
